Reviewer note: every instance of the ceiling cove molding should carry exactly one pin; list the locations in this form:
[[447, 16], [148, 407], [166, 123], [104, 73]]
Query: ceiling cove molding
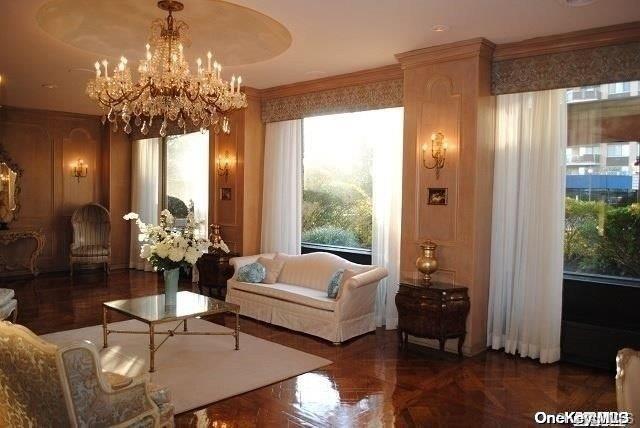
[[478, 47], [585, 39], [373, 75]]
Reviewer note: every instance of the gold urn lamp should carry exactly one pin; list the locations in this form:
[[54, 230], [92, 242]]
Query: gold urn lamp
[[427, 262]]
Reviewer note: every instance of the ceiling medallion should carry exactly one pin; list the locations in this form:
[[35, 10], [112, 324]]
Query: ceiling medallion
[[166, 90]]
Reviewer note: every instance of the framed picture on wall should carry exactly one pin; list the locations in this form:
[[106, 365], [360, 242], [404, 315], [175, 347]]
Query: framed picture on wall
[[437, 196], [225, 193]]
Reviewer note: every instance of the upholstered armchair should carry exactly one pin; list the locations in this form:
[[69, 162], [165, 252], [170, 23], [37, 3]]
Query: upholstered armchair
[[91, 236], [628, 383], [44, 385]]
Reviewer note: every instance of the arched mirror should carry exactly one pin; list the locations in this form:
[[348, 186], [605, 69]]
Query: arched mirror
[[10, 175]]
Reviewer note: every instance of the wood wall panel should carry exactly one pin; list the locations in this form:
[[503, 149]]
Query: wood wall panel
[[118, 165], [44, 144], [447, 89]]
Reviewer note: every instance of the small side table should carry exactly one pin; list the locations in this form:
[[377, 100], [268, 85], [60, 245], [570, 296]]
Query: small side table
[[434, 311], [214, 271], [9, 236]]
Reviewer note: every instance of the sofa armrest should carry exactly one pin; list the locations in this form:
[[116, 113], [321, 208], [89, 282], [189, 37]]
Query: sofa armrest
[[238, 262], [358, 294], [373, 275]]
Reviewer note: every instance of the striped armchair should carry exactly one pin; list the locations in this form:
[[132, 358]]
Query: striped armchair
[[44, 385], [91, 236]]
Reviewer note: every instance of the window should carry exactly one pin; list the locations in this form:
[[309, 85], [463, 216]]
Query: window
[[585, 93], [337, 163], [620, 88], [186, 178], [602, 218]]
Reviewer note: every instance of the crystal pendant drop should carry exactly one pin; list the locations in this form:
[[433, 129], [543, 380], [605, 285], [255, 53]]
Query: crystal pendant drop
[[103, 119], [127, 128], [111, 116], [115, 126], [163, 128], [137, 121], [145, 128], [181, 122]]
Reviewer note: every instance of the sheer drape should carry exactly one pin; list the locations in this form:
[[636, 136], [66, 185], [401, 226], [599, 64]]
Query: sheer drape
[[282, 192], [387, 210], [145, 192], [525, 299]]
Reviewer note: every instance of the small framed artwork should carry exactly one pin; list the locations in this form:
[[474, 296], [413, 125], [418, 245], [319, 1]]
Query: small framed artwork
[[437, 196], [225, 193]]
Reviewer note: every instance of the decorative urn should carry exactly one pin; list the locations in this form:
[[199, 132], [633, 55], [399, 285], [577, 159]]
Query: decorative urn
[[427, 262]]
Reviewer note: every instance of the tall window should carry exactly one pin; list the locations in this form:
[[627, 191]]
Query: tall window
[[186, 176], [602, 220], [338, 161]]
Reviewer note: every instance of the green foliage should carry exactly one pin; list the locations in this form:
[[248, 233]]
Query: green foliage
[[330, 205], [331, 235], [177, 207], [602, 239]]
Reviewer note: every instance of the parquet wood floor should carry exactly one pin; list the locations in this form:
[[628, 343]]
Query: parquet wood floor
[[371, 383]]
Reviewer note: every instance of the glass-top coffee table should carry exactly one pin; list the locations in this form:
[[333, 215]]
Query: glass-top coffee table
[[152, 311]]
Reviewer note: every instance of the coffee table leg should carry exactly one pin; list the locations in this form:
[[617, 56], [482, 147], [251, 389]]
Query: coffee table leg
[[185, 325], [152, 349], [104, 327], [237, 335]]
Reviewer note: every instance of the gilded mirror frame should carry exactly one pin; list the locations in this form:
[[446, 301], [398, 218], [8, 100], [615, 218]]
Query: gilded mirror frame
[[6, 159]]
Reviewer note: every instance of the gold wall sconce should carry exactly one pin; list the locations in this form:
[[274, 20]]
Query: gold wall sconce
[[223, 165], [438, 152], [79, 170]]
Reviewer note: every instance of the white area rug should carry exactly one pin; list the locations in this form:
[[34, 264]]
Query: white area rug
[[198, 369]]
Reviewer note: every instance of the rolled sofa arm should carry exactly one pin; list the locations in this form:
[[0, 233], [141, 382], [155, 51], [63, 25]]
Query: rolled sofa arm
[[368, 277]]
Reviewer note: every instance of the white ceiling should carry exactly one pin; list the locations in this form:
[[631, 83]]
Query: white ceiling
[[329, 37]]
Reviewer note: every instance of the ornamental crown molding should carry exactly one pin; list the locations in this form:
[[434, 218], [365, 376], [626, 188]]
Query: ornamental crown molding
[[576, 40], [478, 47], [362, 77]]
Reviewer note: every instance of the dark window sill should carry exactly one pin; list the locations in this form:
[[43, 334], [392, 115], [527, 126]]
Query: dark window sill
[[594, 279], [355, 255]]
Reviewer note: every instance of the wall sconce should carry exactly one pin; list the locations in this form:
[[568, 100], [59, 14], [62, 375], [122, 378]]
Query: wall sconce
[[223, 165], [438, 152], [79, 170]]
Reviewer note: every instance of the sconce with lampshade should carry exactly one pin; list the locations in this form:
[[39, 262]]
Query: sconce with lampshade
[[438, 153]]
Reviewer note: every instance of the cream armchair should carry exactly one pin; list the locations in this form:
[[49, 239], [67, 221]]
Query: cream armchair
[[298, 300], [44, 385], [628, 383]]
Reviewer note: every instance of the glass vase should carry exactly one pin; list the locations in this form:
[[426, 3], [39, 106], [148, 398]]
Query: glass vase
[[171, 277]]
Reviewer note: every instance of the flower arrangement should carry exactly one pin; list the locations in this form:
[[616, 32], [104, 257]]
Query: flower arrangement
[[169, 248]]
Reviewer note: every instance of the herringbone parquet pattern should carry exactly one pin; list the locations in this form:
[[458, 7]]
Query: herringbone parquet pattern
[[371, 383]]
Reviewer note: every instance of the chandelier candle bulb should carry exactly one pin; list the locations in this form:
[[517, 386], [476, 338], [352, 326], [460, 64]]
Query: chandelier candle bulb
[[239, 81], [233, 82], [209, 61], [106, 71]]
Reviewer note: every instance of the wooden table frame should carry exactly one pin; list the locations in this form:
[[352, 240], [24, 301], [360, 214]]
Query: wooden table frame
[[169, 333]]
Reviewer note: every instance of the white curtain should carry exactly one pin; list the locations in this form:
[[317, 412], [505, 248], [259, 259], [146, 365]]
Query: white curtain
[[525, 299], [387, 210], [282, 191], [145, 192]]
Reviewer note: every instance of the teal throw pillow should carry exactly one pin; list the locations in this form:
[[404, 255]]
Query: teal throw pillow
[[253, 272], [334, 284]]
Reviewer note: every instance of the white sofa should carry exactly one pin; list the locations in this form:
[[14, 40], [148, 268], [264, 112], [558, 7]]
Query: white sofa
[[298, 300]]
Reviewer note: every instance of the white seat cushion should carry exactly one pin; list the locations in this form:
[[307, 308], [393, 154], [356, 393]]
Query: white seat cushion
[[7, 308], [291, 293], [6, 294]]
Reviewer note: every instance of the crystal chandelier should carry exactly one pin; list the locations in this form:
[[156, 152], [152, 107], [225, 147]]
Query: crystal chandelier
[[166, 90]]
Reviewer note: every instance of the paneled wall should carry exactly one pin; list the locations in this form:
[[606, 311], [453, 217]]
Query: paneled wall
[[45, 144], [447, 88], [240, 216]]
